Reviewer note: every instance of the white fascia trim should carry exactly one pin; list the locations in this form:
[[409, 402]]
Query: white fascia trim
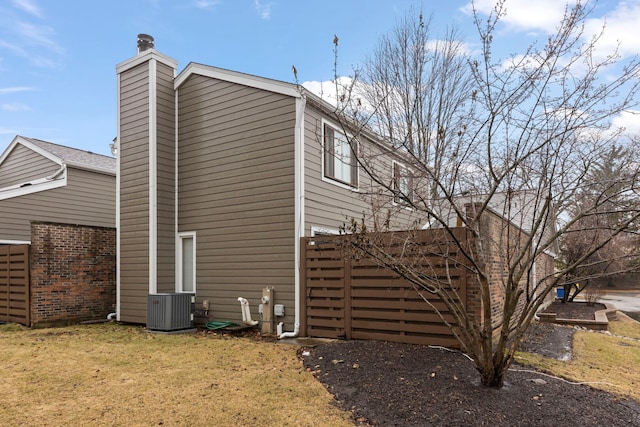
[[15, 242], [42, 184], [153, 176], [88, 168], [239, 78], [33, 147], [118, 257], [143, 57], [323, 231]]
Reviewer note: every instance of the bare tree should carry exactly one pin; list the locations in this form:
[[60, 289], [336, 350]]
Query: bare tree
[[518, 138], [588, 239]]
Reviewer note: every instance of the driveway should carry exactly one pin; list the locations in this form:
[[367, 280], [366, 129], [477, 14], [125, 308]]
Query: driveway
[[628, 301]]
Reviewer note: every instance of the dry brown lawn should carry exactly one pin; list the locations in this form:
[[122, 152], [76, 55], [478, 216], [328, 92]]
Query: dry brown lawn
[[111, 374], [608, 361]]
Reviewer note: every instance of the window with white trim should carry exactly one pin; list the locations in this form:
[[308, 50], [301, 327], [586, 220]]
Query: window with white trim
[[340, 162], [402, 184], [186, 262]]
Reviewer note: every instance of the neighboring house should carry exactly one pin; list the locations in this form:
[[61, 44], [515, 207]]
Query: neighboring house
[[220, 176], [42, 181], [57, 233]]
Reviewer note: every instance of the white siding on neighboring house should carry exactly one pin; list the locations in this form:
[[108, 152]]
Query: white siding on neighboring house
[[87, 199], [23, 165]]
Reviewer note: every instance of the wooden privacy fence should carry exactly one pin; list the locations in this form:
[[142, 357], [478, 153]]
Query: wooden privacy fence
[[351, 298], [14, 284]]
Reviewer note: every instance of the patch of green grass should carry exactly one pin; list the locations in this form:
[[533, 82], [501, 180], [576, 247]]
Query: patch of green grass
[[111, 374]]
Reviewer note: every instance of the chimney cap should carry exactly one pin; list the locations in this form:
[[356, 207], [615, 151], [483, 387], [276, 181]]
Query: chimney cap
[[145, 42]]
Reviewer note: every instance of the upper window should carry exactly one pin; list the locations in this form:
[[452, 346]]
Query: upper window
[[340, 161], [402, 184]]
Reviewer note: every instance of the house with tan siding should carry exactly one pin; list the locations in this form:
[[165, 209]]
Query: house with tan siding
[[42, 181], [221, 174]]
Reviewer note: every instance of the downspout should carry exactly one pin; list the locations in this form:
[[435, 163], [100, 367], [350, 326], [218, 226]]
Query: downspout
[[299, 212], [534, 279], [546, 303]]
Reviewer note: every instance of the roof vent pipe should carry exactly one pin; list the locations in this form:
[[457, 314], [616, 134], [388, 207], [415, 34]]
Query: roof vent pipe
[[145, 42]]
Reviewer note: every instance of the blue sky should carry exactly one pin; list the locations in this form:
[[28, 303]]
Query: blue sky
[[58, 58]]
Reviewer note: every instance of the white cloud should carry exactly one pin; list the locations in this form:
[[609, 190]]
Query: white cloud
[[328, 90], [38, 35], [29, 7], [35, 43], [14, 107], [263, 9], [14, 89], [620, 28], [526, 15], [620, 21], [206, 4], [457, 46], [630, 121]]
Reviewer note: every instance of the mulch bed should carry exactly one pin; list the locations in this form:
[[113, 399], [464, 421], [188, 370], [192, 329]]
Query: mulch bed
[[574, 310], [391, 384]]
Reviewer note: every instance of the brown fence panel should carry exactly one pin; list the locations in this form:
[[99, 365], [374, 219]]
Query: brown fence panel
[[14, 284], [358, 299], [323, 289]]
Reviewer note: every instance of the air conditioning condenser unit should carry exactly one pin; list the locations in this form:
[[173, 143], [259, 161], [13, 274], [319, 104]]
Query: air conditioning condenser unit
[[170, 311]]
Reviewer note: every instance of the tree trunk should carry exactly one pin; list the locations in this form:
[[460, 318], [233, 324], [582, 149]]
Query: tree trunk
[[492, 375]]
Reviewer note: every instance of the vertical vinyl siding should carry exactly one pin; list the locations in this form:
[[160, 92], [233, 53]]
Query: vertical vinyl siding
[[24, 165], [236, 191], [87, 199], [166, 178], [134, 193]]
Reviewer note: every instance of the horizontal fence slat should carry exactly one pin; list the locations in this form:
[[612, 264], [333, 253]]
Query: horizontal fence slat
[[416, 328], [397, 305], [327, 323], [323, 312], [326, 303], [411, 316]]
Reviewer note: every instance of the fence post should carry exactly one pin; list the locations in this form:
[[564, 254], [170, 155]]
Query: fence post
[[347, 286]]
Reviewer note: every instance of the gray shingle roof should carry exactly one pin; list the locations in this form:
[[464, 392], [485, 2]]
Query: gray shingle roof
[[76, 157]]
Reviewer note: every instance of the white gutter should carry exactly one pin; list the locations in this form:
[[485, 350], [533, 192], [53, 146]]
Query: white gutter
[[299, 212], [63, 169]]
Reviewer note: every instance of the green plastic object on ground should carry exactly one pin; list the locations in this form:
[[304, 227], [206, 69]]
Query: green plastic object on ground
[[219, 325]]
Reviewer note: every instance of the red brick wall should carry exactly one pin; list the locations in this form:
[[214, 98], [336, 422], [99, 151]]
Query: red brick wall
[[73, 273], [498, 238]]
